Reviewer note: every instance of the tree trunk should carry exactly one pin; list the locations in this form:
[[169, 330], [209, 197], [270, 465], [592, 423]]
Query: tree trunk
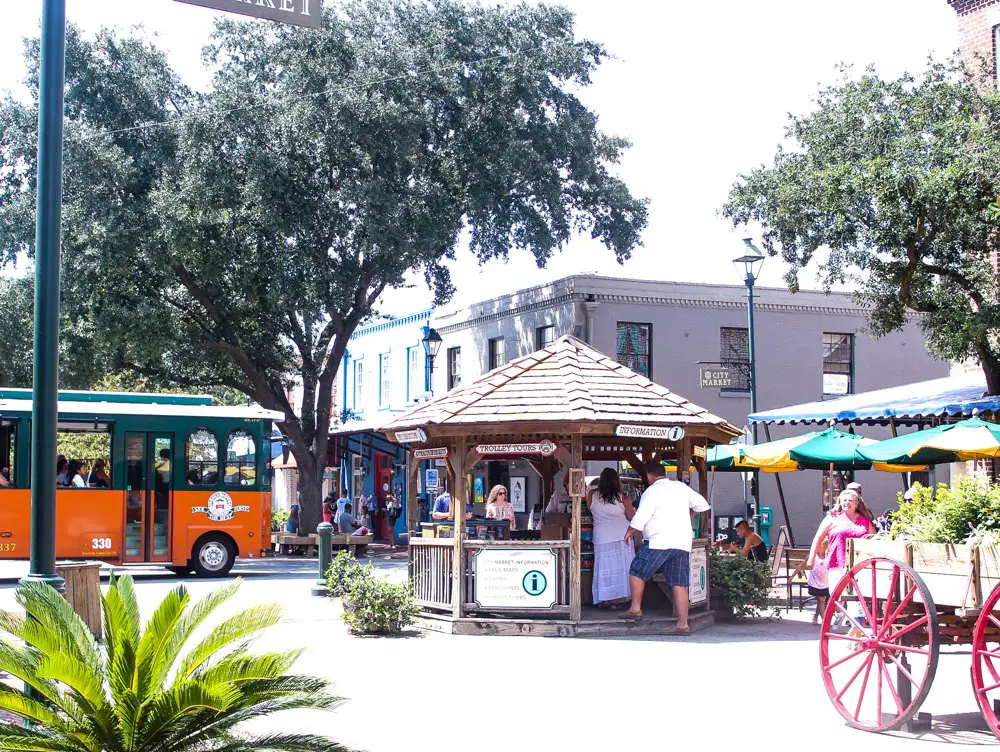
[[310, 489], [991, 368]]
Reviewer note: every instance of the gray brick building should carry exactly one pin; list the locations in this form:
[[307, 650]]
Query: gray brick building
[[809, 345]]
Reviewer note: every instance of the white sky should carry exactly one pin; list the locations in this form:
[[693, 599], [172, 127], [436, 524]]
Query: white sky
[[701, 88]]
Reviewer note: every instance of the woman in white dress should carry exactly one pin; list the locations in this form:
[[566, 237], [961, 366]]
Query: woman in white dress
[[611, 509]]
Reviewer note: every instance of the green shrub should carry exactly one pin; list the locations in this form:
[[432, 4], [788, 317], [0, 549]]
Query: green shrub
[[378, 607], [171, 685], [970, 507], [278, 519], [744, 585], [344, 572]]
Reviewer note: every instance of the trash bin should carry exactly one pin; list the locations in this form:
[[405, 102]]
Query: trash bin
[[83, 591]]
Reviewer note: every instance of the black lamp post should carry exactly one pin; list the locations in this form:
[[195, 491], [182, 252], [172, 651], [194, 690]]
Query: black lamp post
[[432, 345], [748, 265]]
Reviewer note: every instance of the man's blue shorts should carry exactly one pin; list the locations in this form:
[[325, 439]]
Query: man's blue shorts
[[676, 565]]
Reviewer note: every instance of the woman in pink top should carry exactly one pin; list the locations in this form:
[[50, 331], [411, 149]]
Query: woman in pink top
[[497, 506], [854, 520]]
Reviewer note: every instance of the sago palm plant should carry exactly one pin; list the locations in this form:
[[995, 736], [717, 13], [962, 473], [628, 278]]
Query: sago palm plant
[[148, 690]]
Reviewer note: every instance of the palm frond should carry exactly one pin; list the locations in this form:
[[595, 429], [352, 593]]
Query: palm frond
[[196, 616], [281, 743], [240, 668], [245, 624], [121, 616], [52, 612], [183, 700], [151, 669], [33, 739], [30, 709]]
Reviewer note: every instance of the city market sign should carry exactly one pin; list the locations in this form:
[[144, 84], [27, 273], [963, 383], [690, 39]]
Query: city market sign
[[413, 436], [298, 12], [667, 433], [545, 448], [717, 378], [515, 578], [430, 454]]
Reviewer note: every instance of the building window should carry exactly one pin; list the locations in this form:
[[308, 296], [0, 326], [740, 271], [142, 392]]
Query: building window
[[414, 374], [454, 367], [497, 355], [544, 336], [734, 355], [996, 55], [384, 384], [358, 380], [357, 476], [633, 347], [838, 365]]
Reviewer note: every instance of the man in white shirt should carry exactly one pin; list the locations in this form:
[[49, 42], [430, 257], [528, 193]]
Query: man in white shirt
[[664, 517]]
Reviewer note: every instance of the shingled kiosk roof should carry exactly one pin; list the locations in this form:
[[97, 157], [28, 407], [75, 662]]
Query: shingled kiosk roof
[[566, 382]]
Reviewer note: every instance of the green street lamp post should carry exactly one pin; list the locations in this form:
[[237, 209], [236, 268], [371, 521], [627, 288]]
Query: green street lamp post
[[48, 230], [748, 265]]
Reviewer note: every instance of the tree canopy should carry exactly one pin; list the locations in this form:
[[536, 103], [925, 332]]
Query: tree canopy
[[896, 180], [237, 237]]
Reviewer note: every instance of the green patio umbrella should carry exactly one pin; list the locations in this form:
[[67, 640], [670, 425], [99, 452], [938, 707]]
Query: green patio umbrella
[[832, 450], [970, 439]]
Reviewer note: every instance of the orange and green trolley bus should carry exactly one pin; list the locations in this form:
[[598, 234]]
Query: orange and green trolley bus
[[169, 479]]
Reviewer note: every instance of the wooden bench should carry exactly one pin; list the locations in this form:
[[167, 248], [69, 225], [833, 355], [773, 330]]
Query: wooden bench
[[307, 545], [783, 561], [793, 558]]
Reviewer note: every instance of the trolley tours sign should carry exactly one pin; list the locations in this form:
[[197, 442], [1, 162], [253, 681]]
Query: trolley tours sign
[[545, 448], [667, 433], [515, 578], [298, 12]]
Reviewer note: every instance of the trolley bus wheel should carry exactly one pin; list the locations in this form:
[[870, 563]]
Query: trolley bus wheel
[[213, 556], [879, 645], [986, 660]]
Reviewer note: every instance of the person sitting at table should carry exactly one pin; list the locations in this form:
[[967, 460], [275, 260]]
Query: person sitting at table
[[753, 547], [292, 523], [99, 475], [442, 508], [346, 523], [498, 507]]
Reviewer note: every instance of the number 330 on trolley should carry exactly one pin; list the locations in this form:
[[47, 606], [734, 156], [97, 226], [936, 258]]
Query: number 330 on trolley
[[99, 543]]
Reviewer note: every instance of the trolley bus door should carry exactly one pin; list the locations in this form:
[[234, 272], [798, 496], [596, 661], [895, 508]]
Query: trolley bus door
[[149, 489]]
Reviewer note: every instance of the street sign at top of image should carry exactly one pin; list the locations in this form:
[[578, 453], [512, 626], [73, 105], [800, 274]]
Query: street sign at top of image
[[298, 12]]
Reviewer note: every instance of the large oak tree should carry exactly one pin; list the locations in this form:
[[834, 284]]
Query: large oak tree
[[894, 179], [237, 237]]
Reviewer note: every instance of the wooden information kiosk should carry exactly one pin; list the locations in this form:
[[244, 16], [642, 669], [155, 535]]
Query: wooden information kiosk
[[558, 407]]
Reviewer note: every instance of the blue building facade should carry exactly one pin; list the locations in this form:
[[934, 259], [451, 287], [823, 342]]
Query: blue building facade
[[385, 372]]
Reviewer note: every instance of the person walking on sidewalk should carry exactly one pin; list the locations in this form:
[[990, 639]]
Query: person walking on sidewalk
[[664, 517]]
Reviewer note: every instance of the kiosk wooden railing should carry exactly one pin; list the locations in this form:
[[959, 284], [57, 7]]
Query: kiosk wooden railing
[[432, 563], [560, 548]]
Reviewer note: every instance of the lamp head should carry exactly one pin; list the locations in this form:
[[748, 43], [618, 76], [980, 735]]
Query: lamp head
[[748, 265], [432, 343]]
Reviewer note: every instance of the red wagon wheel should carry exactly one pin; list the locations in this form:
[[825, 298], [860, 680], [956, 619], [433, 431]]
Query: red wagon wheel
[[879, 645], [986, 660]]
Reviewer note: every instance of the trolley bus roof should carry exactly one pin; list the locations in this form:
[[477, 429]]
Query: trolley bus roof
[[91, 410]]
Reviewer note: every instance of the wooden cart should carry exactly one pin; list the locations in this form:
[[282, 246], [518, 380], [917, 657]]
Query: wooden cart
[[887, 619]]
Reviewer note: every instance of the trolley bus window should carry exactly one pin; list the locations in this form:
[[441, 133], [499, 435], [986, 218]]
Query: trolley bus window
[[265, 478], [8, 451], [241, 459], [202, 458], [89, 444]]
